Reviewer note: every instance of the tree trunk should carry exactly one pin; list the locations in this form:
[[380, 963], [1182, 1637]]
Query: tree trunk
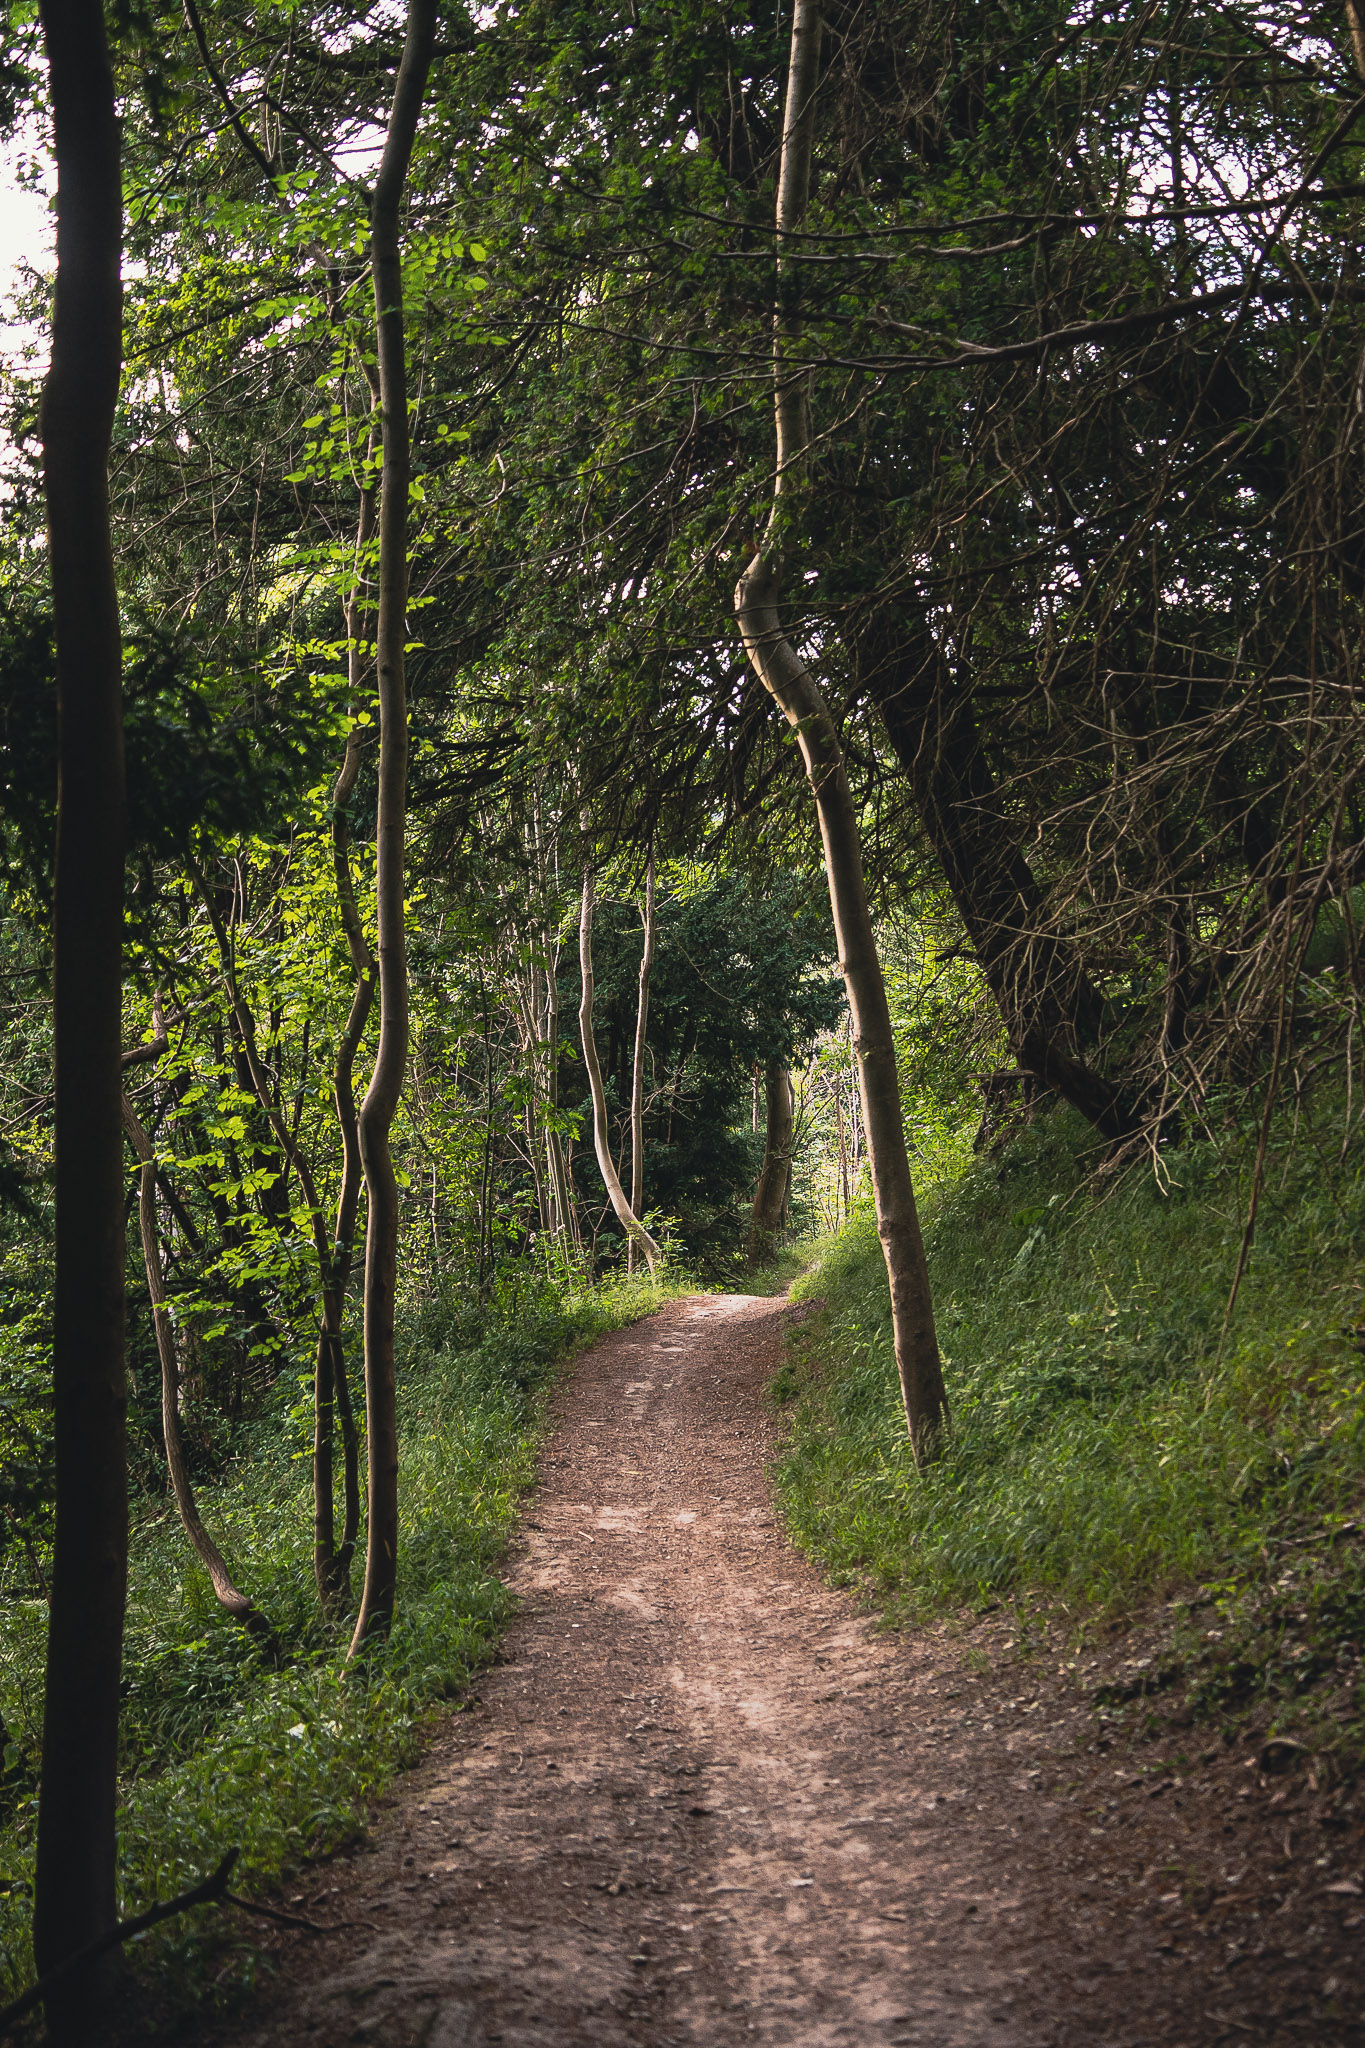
[[554, 1147], [637, 1078], [331, 1388], [566, 1215], [1046, 1001], [386, 1082], [331, 1566], [74, 1900], [625, 1215], [236, 1603], [1357, 27], [771, 1192], [787, 678]]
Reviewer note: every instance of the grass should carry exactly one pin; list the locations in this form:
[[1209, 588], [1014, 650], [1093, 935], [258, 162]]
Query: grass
[[1109, 1444], [790, 1262], [223, 1749]]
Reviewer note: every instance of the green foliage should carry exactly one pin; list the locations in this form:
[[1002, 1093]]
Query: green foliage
[[212, 744], [1101, 1449], [740, 976]]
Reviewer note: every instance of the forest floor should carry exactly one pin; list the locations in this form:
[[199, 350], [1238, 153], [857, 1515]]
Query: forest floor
[[703, 1798]]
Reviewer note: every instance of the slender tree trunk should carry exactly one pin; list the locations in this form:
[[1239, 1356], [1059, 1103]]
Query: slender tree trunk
[[771, 1192], [75, 1891], [544, 1205], [529, 1032], [332, 1393], [486, 1173], [560, 1179], [332, 1570], [637, 1077], [554, 1147], [386, 1082], [625, 1214], [787, 678], [236, 1603]]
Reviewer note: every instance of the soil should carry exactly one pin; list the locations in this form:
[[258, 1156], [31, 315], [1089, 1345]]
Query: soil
[[704, 1798]]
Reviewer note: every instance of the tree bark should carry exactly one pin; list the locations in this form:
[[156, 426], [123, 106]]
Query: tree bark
[[1037, 979], [74, 1901], [625, 1214], [771, 1192], [331, 1388], [637, 1076], [843, 1149], [236, 1603], [1357, 27], [386, 1082], [567, 1218], [789, 681], [547, 874]]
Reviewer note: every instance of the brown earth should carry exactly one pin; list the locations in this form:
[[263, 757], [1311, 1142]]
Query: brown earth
[[703, 1799]]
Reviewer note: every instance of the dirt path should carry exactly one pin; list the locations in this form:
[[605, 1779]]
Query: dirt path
[[703, 1801]]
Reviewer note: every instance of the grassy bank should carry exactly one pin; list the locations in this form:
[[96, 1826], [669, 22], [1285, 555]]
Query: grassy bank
[[223, 1748], [1110, 1444]]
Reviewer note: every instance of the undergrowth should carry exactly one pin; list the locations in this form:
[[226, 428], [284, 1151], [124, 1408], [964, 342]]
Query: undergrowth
[[789, 1263], [223, 1747], [1109, 1441]]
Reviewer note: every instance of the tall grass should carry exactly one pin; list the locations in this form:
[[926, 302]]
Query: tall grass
[[1108, 1440], [224, 1748]]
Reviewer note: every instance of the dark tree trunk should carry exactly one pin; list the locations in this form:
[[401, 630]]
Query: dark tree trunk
[[331, 1388], [75, 1890], [386, 1081], [770, 1196], [1046, 1001]]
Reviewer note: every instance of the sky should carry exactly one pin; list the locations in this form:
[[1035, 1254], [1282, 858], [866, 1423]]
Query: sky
[[25, 236]]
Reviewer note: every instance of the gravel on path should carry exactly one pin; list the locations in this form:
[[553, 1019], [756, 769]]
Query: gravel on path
[[703, 1800]]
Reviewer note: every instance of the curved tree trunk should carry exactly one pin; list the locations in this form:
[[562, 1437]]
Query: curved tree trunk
[[386, 1082], [771, 1193], [625, 1215], [787, 678], [236, 1603], [637, 1074], [74, 1901], [332, 1394]]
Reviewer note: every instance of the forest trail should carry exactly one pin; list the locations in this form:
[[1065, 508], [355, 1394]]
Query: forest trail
[[703, 1800]]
